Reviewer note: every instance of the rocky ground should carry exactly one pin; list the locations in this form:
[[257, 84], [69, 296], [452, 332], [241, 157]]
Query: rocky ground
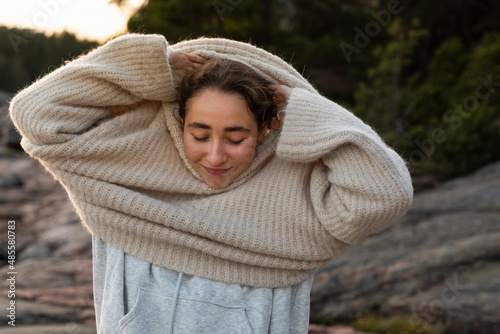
[[439, 266], [53, 284]]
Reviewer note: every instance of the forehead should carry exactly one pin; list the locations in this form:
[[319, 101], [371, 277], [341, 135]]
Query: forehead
[[216, 108]]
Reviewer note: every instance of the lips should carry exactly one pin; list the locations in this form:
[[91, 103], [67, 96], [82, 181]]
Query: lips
[[216, 171]]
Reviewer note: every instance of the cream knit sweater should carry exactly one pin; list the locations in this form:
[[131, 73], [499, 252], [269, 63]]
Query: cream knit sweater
[[314, 189]]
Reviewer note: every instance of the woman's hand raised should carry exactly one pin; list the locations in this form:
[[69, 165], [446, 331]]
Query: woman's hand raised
[[181, 63]]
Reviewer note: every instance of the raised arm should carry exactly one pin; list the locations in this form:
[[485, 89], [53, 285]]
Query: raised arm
[[359, 185], [71, 100]]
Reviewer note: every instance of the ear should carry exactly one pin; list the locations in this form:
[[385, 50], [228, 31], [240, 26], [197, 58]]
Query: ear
[[262, 133]]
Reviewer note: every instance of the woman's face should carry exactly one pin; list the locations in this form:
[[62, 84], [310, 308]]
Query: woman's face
[[220, 136]]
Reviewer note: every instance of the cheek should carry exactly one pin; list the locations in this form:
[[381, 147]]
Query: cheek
[[192, 150], [244, 154]]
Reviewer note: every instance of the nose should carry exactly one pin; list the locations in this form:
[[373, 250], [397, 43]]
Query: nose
[[216, 153]]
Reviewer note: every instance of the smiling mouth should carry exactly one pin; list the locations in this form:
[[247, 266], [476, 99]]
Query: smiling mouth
[[216, 171]]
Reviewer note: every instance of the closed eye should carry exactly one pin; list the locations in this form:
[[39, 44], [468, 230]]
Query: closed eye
[[232, 142], [200, 138], [235, 142]]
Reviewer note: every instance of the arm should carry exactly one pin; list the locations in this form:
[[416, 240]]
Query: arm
[[360, 185], [71, 100]]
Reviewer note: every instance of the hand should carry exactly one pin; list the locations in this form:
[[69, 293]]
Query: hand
[[281, 96], [182, 63]]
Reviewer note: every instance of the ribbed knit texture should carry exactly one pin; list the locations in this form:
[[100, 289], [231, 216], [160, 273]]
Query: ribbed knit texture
[[320, 185]]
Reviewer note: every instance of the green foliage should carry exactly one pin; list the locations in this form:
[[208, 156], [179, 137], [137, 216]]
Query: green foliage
[[447, 102], [383, 101], [26, 55], [307, 33], [437, 121], [474, 131], [176, 19]]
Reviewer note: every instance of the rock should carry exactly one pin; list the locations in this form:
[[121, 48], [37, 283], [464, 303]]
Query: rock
[[68, 328], [3, 252], [68, 240], [53, 291], [478, 191], [71, 296], [30, 312], [52, 273], [35, 251], [53, 251], [317, 329], [10, 180], [437, 267]]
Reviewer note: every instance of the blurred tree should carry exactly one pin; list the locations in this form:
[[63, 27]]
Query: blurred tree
[[26, 55], [446, 123], [297, 30], [381, 101], [471, 118], [467, 19], [182, 19]]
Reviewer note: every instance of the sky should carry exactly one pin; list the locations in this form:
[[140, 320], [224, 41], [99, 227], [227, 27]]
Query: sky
[[87, 19]]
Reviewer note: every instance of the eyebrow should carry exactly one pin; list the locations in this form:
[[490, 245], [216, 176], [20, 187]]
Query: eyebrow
[[236, 128]]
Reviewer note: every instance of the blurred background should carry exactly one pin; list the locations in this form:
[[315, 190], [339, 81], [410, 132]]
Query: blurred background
[[425, 74]]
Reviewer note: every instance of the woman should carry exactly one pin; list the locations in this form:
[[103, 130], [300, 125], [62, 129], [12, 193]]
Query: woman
[[203, 221]]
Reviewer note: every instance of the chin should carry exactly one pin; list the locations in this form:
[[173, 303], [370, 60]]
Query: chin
[[218, 185]]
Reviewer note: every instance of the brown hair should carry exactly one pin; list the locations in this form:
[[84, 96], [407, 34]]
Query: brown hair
[[231, 77]]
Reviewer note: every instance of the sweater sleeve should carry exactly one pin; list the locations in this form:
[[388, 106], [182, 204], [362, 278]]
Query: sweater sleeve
[[359, 185], [73, 98]]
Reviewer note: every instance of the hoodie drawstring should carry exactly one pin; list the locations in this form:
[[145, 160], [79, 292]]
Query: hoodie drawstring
[[174, 304]]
